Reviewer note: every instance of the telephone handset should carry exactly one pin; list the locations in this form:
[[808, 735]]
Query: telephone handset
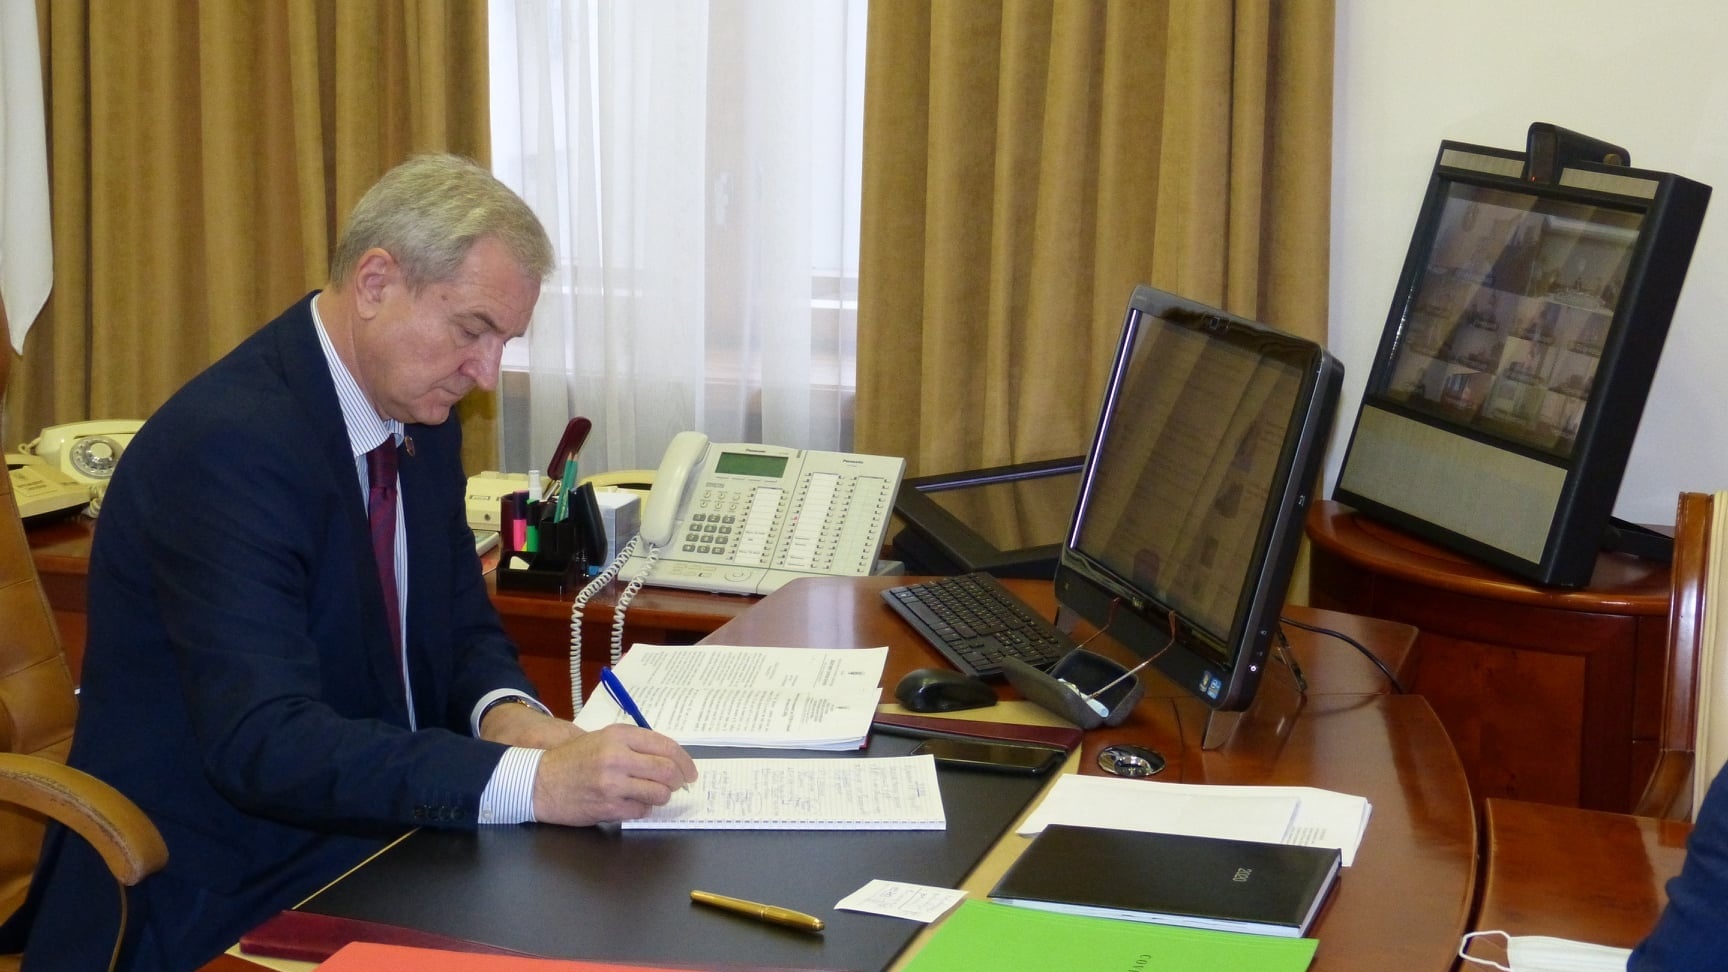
[[744, 518], [671, 485]]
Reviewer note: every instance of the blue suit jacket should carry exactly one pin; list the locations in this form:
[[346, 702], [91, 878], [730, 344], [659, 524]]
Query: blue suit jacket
[[238, 682], [1692, 932]]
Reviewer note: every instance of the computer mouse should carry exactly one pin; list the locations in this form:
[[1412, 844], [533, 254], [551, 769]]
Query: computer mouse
[[942, 690]]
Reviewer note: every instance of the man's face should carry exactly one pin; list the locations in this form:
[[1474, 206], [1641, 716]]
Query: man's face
[[420, 353]]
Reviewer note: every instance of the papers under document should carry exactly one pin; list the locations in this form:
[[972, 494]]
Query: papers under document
[[1302, 815], [719, 695]]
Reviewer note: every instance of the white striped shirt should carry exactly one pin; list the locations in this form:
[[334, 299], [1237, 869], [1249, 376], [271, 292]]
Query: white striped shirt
[[509, 794]]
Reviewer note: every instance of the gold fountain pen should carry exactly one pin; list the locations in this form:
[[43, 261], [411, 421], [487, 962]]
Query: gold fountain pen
[[761, 912]]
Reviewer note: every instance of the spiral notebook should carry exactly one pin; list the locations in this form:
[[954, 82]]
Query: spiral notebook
[[838, 793]]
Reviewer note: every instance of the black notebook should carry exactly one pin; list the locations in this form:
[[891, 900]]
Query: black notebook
[[1174, 879]]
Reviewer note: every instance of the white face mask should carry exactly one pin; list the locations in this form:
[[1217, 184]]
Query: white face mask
[[1539, 953]]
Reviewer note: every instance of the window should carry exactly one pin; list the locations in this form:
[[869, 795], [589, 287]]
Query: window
[[697, 165]]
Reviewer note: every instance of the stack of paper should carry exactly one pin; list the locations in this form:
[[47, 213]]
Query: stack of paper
[[1272, 814], [717, 695]]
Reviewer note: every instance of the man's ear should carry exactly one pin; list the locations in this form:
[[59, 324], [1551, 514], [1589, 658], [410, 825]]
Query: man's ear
[[374, 275]]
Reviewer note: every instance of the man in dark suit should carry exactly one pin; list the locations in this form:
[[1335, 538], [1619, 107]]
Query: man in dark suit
[[252, 679]]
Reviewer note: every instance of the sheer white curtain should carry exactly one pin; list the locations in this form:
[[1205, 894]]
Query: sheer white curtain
[[696, 164]]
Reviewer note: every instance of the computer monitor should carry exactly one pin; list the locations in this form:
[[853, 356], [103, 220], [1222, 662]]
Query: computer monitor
[[1518, 352], [1194, 491]]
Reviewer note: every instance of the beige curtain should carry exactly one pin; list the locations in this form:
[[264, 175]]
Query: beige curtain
[[202, 159], [1027, 162]]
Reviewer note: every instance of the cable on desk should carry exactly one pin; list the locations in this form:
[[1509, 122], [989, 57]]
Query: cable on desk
[[1289, 657], [1397, 686]]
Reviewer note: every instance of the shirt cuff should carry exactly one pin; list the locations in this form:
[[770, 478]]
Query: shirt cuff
[[509, 794], [496, 696]]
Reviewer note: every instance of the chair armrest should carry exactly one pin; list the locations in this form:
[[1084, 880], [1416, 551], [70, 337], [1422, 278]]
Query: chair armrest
[[1668, 794], [129, 843]]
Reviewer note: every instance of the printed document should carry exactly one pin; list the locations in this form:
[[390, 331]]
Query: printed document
[[719, 695], [792, 793], [1270, 814]]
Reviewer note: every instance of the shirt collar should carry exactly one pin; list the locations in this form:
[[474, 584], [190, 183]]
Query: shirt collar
[[366, 428]]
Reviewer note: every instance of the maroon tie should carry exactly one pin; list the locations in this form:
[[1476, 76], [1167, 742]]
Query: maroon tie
[[381, 511]]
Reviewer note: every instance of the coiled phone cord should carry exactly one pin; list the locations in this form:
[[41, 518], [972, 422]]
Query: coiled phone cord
[[593, 587]]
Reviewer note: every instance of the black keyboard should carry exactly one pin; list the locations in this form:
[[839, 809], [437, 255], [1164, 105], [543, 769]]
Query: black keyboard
[[975, 622]]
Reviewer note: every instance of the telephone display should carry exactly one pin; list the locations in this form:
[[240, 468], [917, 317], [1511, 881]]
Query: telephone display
[[744, 518]]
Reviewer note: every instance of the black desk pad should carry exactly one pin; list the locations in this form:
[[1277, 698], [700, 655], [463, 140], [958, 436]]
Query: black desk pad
[[607, 894]]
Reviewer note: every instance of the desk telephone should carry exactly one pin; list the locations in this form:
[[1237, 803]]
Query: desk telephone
[[67, 465], [744, 518], [86, 451], [43, 491]]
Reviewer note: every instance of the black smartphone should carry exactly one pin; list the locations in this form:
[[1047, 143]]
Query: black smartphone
[[1001, 757]]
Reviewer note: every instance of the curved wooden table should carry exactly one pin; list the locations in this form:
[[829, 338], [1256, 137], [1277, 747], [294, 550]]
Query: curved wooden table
[[1586, 875], [1406, 901]]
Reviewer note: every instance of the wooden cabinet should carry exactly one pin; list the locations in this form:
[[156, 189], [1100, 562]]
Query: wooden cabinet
[[1549, 695]]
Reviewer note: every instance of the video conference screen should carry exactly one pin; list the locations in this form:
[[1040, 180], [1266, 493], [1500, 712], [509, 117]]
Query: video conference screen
[[1509, 318]]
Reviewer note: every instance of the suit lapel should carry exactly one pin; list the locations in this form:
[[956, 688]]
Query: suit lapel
[[309, 375]]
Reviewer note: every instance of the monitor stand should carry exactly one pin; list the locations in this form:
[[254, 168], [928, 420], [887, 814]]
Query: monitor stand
[[1622, 536], [1269, 718]]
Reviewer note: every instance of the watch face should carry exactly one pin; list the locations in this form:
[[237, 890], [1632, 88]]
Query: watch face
[[95, 456]]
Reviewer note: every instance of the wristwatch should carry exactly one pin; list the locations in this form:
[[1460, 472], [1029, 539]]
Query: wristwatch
[[507, 700]]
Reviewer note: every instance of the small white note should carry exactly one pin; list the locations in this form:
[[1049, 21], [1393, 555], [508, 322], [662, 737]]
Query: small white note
[[897, 899]]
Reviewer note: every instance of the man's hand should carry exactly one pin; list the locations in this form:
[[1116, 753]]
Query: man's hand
[[615, 773], [525, 726]]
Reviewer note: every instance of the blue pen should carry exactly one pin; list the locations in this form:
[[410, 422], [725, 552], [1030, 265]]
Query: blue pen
[[615, 689]]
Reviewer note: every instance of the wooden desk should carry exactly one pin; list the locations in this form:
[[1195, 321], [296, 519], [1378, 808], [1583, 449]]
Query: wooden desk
[[1405, 902], [1549, 694], [1580, 874]]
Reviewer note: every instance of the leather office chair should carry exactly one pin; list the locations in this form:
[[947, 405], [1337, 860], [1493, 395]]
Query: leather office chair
[[1597, 876], [37, 711]]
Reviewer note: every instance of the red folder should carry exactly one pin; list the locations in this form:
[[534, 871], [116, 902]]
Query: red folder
[[374, 957], [306, 936], [355, 945], [1064, 737]]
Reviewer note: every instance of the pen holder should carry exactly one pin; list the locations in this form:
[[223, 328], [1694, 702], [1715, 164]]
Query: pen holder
[[1087, 672], [556, 565]]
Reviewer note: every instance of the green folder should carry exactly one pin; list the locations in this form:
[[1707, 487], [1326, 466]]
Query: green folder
[[1004, 938]]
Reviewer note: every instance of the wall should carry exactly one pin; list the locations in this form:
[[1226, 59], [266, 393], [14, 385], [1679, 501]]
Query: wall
[[1652, 77]]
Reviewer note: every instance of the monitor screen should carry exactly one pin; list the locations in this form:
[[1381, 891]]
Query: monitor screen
[[1511, 312], [1517, 355], [1193, 493]]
